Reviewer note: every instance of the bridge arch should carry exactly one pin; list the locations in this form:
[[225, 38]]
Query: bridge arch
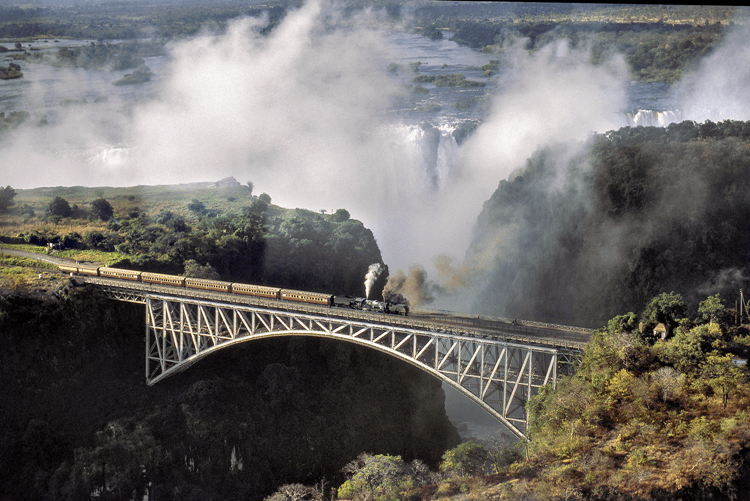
[[498, 376]]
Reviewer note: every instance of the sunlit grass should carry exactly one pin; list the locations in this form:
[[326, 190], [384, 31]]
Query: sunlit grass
[[26, 247], [150, 200], [16, 261], [18, 278], [93, 256]]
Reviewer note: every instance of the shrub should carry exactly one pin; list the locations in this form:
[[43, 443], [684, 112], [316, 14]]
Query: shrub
[[468, 458]]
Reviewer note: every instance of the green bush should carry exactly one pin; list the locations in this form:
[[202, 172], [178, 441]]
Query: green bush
[[468, 458]]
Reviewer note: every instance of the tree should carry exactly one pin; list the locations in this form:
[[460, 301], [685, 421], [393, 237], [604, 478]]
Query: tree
[[59, 207], [623, 323], [102, 209], [265, 197], [296, 492], [250, 187], [6, 198], [723, 375], [713, 310], [375, 477], [340, 216], [197, 206], [195, 270], [665, 308], [668, 380], [468, 458]]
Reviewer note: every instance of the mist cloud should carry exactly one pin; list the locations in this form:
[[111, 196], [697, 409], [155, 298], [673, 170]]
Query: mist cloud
[[301, 113], [717, 89]]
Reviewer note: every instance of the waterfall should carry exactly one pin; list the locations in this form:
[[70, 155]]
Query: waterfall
[[653, 118]]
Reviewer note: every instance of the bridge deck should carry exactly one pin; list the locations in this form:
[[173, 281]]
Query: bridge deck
[[536, 333]]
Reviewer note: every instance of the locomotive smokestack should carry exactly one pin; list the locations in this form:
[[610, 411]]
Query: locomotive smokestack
[[373, 272]]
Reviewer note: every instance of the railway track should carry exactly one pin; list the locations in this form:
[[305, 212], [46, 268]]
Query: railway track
[[437, 320]]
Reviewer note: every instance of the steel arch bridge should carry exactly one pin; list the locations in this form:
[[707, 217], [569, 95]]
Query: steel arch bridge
[[498, 375]]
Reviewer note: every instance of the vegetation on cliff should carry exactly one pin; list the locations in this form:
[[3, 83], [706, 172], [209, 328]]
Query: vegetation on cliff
[[648, 418], [222, 229], [644, 418], [590, 230]]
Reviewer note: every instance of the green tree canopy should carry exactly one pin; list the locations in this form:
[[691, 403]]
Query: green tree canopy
[[381, 477], [59, 207], [666, 308], [197, 206], [340, 215], [102, 209], [712, 309], [468, 458], [6, 198], [195, 270]]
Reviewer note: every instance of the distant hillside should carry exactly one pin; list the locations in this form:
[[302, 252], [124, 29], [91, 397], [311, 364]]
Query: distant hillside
[[218, 230]]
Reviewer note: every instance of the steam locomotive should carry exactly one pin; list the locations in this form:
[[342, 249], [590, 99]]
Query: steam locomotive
[[356, 303]]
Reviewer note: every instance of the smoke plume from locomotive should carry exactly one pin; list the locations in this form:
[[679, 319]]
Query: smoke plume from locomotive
[[373, 272]]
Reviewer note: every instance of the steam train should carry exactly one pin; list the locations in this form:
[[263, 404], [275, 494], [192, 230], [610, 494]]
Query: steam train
[[355, 303]]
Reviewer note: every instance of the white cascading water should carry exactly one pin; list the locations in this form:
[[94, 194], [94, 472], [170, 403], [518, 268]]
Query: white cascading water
[[653, 118], [431, 152], [447, 154]]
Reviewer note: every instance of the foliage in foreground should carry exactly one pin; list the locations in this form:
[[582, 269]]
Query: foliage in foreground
[[644, 418], [382, 477]]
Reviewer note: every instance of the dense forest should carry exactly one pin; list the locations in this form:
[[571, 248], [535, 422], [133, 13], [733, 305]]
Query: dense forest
[[655, 51], [588, 231], [116, 20]]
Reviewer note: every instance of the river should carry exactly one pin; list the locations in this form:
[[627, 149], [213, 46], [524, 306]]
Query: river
[[50, 91]]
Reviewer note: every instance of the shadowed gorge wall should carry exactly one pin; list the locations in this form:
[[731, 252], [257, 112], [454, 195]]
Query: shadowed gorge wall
[[235, 426], [587, 231]]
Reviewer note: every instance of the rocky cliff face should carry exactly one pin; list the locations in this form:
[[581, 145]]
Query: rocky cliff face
[[77, 415]]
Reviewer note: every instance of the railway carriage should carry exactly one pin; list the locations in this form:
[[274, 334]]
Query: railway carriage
[[162, 279], [208, 285], [68, 269], [256, 290], [307, 297], [88, 270], [357, 303], [117, 273]]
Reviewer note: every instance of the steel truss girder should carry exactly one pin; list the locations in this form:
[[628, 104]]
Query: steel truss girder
[[499, 376], [121, 294]]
